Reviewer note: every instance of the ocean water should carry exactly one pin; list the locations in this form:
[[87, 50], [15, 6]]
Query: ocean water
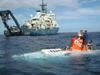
[[21, 55]]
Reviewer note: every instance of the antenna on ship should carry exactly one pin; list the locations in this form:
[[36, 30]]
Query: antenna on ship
[[43, 7]]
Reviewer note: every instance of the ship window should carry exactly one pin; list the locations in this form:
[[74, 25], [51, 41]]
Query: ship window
[[42, 14], [55, 24], [35, 19], [51, 15], [47, 21]]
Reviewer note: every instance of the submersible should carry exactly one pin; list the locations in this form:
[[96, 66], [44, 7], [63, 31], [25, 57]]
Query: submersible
[[76, 45]]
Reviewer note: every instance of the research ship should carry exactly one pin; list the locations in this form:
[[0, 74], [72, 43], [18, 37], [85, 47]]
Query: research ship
[[43, 23]]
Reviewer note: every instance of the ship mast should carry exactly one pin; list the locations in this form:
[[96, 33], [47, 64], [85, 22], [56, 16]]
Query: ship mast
[[43, 7]]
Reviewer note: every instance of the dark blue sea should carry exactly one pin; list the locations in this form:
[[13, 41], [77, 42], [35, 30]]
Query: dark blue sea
[[21, 55]]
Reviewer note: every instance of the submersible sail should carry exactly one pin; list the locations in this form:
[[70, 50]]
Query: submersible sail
[[43, 23]]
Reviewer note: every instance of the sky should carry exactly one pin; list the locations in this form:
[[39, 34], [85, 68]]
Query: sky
[[71, 15]]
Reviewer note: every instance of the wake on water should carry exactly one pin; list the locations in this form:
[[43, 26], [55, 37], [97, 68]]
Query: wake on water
[[39, 57]]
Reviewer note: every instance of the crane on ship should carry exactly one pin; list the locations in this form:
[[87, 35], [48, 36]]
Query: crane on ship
[[5, 17]]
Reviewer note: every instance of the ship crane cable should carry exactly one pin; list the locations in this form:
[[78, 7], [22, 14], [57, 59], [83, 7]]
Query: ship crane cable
[[4, 17]]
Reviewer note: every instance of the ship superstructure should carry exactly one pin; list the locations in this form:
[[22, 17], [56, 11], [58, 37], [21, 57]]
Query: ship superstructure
[[41, 21]]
